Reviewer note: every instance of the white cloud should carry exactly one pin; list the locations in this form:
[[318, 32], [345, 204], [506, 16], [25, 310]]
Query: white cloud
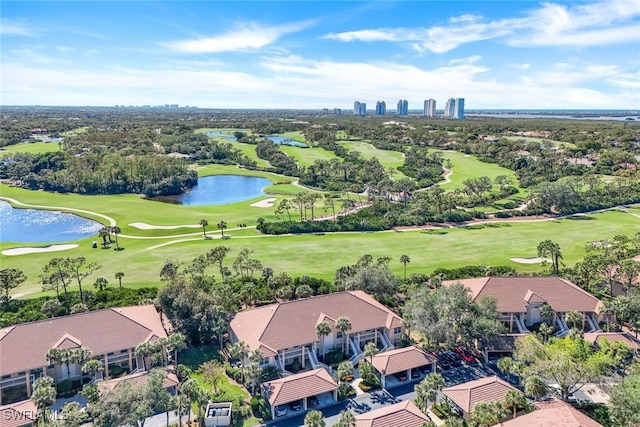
[[601, 23], [250, 36], [521, 66], [8, 27]]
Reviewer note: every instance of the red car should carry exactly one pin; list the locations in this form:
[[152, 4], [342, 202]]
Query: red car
[[465, 354]]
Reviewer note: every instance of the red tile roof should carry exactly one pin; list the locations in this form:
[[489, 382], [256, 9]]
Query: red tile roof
[[25, 346], [403, 414], [401, 359], [468, 395], [292, 323], [554, 413], [597, 337], [515, 293], [298, 386], [18, 414], [135, 380]]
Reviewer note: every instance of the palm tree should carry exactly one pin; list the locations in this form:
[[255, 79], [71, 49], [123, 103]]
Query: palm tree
[[80, 355], [347, 419], [202, 400], [240, 351], [404, 259], [314, 419], [427, 390], [535, 387], [545, 330], [575, 318], [323, 330], [506, 366], [116, 230], [68, 356], [204, 223], [551, 249], [370, 350], [44, 394], [144, 350], [119, 275], [513, 399], [547, 312], [92, 367], [176, 342], [182, 407], [105, 233], [344, 370], [486, 414], [101, 283], [454, 422], [221, 226], [190, 389], [343, 324]]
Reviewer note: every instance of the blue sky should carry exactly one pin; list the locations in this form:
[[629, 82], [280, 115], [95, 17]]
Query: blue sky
[[315, 54]]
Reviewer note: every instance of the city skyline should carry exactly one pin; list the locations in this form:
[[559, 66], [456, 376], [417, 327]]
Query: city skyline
[[314, 55]]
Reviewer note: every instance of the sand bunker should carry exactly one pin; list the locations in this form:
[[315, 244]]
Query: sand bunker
[[31, 250], [145, 226], [265, 203], [536, 260]]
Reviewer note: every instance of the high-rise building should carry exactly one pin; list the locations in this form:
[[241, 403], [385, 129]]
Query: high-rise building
[[403, 107], [337, 111], [430, 107], [449, 107], [458, 111], [359, 108], [381, 108]]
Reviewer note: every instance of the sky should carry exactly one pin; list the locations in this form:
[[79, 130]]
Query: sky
[[321, 54]]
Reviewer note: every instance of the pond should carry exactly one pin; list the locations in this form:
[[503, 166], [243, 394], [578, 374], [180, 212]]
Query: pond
[[221, 134], [39, 226], [280, 140], [220, 190]]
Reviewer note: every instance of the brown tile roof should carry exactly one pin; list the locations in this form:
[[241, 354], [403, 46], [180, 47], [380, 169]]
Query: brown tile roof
[[24, 347], [401, 359], [298, 386], [405, 414], [292, 323], [553, 413], [513, 293], [468, 395], [18, 414], [597, 337], [506, 342], [135, 380]]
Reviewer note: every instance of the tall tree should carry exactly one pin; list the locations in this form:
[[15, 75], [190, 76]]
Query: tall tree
[[550, 249], [535, 387], [404, 259], [347, 419], [10, 278], [624, 405], [71, 415], [80, 269], [44, 395], [204, 223], [370, 350], [322, 331], [343, 324], [101, 283], [240, 351], [116, 230], [119, 275], [514, 400], [427, 390], [221, 226]]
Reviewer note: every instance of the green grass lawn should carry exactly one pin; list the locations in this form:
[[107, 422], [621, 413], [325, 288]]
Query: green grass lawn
[[30, 147], [249, 150], [306, 156], [316, 256], [465, 166], [387, 158]]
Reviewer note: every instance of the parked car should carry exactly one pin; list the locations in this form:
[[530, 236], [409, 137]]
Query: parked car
[[466, 355], [281, 410], [415, 373], [295, 406], [313, 401], [443, 362], [453, 357], [401, 376]]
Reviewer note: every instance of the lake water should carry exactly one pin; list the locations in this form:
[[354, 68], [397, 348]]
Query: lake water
[[286, 141], [38, 226], [221, 190], [221, 134]]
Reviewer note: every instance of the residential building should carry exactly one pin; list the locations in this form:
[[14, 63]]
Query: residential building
[[467, 395], [111, 335], [430, 107], [359, 108], [405, 414], [19, 414], [402, 108], [407, 361], [520, 300], [300, 387], [449, 108], [337, 111], [137, 379], [381, 108], [286, 332], [552, 413], [458, 109]]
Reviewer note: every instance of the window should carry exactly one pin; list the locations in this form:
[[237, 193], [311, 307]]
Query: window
[[126, 350], [339, 335], [397, 330], [6, 377], [110, 354], [51, 366]]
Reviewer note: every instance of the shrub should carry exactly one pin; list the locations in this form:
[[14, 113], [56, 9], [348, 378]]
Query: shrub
[[345, 391]]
